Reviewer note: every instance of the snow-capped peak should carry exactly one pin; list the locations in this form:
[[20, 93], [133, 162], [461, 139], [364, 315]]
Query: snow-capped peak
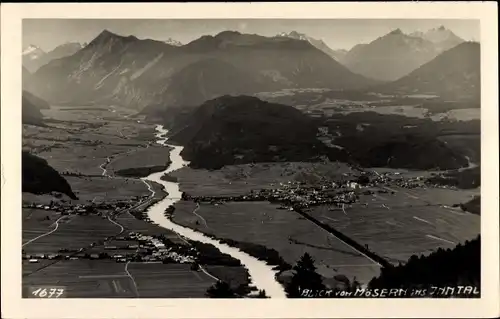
[[294, 35], [173, 42], [32, 49], [437, 35]]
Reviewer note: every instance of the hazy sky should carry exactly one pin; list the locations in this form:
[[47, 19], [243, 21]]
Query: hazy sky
[[337, 33]]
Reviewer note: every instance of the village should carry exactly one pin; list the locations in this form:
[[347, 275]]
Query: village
[[67, 208], [324, 192], [142, 249]]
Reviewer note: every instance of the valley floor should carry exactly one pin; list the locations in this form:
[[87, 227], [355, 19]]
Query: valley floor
[[102, 246]]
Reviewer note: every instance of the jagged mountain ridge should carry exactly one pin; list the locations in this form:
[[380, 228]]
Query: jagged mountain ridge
[[137, 73], [443, 38], [34, 57], [338, 55], [454, 74], [396, 54]]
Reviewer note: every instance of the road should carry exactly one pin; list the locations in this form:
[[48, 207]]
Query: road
[[46, 234], [201, 217], [131, 278]]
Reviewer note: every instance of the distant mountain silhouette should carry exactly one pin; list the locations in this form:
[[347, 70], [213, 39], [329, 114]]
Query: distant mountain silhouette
[[243, 129], [38, 177], [443, 38], [31, 55], [396, 54], [34, 57], [454, 74], [137, 73], [31, 106], [338, 55]]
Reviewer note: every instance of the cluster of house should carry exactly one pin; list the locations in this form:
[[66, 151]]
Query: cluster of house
[[146, 249], [82, 209], [395, 179], [297, 195], [292, 193]]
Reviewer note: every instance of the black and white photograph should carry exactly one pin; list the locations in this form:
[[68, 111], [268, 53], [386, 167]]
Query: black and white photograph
[[250, 158]]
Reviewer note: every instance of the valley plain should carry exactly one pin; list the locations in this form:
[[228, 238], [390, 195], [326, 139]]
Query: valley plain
[[267, 163]]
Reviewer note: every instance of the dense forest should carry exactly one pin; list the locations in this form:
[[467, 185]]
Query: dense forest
[[468, 178], [39, 177], [460, 266], [473, 206], [243, 129]]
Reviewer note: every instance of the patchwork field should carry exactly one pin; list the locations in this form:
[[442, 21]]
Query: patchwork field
[[421, 196], [84, 279], [107, 279], [97, 190], [103, 189], [408, 222], [37, 222], [152, 156], [73, 232], [156, 280], [283, 230]]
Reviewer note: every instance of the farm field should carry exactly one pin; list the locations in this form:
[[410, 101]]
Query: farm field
[[73, 232], [108, 279], [85, 279], [37, 222], [96, 190], [104, 189], [422, 196], [136, 158], [235, 180], [406, 223], [157, 280], [283, 230]]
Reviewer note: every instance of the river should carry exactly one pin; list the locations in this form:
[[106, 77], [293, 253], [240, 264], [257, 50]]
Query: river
[[261, 275]]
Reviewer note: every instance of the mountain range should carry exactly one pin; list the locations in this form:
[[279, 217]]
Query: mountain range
[[396, 54], [338, 55], [443, 38], [136, 73], [132, 72], [34, 57], [454, 74]]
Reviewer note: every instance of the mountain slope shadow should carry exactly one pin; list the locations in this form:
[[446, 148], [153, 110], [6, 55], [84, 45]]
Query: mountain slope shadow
[[38, 177]]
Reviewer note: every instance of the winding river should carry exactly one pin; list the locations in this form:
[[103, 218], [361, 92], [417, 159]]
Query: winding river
[[261, 275]]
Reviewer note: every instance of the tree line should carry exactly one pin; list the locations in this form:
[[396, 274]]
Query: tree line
[[459, 266]]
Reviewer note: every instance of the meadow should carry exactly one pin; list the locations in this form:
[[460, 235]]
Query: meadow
[[236, 180], [85, 279], [156, 280], [396, 226], [73, 232], [153, 156], [283, 230]]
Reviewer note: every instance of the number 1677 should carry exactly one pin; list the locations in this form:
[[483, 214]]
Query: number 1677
[[48, 292]]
